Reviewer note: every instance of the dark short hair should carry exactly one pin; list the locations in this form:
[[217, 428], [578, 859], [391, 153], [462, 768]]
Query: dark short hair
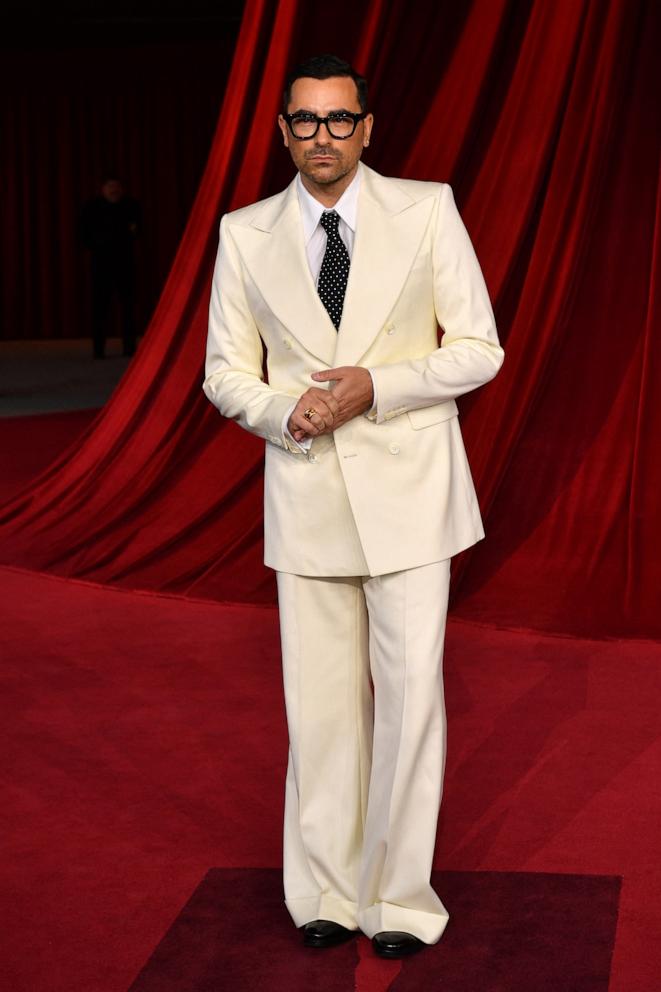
[[325, 67]]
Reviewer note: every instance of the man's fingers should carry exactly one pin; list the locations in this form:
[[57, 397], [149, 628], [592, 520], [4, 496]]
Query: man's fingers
[[320, 416], [320, 401], [321, 411], [327, 412], [299, 428], [311, 425], [331, 402], [329, 374]]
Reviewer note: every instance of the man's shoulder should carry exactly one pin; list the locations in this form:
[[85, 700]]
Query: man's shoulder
[[404, 189], [418, 189], [245, 216]]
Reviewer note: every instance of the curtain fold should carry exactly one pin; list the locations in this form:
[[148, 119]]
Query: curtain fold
[[543, 118]]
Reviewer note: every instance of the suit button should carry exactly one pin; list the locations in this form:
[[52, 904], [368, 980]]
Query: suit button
[[390, 329], [287, 344], [312, 458], [393, 448]]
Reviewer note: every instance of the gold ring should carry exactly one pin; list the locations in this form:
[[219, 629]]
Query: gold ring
[[309, 413]]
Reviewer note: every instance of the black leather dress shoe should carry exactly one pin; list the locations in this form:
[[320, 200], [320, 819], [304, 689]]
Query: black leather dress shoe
[[325, 933], [396, 944]]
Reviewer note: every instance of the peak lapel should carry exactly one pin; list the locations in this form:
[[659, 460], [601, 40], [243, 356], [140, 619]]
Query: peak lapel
[[389, 229], [274, 252]]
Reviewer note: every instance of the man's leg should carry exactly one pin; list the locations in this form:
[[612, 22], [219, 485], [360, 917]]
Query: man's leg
[[329, 713], [407, 612], [101, 300], [126, 295]]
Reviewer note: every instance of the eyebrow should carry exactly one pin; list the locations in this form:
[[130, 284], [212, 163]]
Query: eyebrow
[[339, 110]]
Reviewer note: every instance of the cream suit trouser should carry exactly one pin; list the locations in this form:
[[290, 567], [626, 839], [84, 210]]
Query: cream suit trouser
[[365, 769]]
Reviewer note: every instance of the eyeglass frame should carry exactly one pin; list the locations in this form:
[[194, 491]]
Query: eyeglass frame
[[357, 118]]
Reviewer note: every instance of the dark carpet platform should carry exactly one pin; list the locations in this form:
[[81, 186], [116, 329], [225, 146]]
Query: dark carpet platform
[[508, 932]]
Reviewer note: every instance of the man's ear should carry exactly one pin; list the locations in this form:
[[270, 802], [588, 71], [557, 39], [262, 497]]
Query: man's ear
[[369, 121], [282, 124]]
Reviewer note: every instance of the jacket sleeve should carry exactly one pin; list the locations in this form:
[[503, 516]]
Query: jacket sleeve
[[470, 353], [234, 377]]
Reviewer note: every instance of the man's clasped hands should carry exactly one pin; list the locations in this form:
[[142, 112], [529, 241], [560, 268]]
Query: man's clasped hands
[[327, 409]]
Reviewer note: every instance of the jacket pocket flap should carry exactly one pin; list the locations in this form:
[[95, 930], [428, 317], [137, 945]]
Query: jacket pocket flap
[[429, 415]]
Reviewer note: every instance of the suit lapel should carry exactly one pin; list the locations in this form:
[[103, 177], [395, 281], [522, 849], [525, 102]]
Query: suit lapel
[[273, 250], [389, 229]]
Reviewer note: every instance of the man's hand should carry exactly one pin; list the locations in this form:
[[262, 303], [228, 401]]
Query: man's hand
[[351, 394], [325, 407], [352, 390]]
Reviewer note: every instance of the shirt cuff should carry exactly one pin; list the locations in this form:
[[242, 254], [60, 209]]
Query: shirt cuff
[[371, 413]]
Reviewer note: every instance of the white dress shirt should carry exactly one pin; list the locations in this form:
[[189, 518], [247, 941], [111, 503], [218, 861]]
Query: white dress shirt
[[314, 234], [315, 247]]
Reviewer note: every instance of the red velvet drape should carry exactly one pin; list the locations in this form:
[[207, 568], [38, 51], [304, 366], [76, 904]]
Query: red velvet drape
[[543, 116], [69, 114]]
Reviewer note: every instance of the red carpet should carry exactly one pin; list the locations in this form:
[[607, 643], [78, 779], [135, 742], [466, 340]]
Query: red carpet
[[146, 747], [30, 444]]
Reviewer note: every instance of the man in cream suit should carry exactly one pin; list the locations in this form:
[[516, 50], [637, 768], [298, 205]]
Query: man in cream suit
[[343, 279]]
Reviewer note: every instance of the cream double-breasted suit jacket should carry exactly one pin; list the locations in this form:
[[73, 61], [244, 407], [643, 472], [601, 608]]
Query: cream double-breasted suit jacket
[[386, 491]]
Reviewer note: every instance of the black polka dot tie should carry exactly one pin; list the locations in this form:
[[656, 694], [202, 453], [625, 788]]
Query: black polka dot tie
[[332, 283]]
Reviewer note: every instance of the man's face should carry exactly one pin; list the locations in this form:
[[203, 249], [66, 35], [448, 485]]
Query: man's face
[[325, 160], [112, 190]]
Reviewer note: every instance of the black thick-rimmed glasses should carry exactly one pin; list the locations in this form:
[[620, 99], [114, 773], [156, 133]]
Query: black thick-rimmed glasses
[[341, 124]]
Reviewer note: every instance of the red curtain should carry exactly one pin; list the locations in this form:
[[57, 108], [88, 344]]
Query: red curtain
[[68, 114], [544, 118]]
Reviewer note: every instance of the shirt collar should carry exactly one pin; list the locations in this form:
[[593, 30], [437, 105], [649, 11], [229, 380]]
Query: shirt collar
[[311, 209]]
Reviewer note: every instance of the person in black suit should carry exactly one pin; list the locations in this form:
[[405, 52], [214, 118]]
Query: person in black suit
[[110, 226]]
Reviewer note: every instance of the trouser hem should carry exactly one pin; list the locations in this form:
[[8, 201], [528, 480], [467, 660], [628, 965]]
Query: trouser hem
[[427, 927], [323, 907]]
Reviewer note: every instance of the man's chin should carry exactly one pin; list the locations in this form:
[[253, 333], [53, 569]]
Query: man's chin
[[324, 174]]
